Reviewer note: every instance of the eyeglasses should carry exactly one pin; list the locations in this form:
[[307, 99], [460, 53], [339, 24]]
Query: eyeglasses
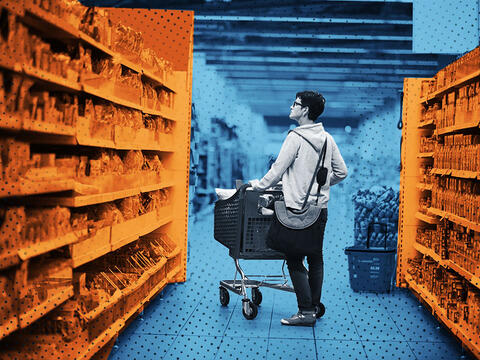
[[297, 103]]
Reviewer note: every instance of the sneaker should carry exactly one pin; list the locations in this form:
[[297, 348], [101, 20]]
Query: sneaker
[[302, 318]]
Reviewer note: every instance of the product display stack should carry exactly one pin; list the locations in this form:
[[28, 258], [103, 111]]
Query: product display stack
[[94, 164], [439, 214]]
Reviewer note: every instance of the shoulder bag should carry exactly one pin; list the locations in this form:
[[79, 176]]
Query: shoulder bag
[[308, 214]]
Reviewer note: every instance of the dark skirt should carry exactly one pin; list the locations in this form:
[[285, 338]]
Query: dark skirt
[[304, 242]]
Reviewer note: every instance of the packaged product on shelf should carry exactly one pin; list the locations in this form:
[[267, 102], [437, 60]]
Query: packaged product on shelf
[[166, 98], [98, 117], [128, 118], [153, 163], [69, 10], [427, 87], [167, 67], [425, 173], [166, 126], [427, 144], [68, 166], [12, 84], [127, 41], [47, 278], [85, 63], [54, 108], [158, 124], [150, 95], [107, 162], [165, 197], [12, 227], [46, 223], [130, 207], [15, 158], [153, 249], [167, 243], [133, 161], [93, 218], [96, 24], [106, 69], [158, 65], [459, 197], [109, 214]]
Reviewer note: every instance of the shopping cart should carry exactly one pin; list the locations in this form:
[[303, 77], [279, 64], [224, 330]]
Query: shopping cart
[[241, 227]]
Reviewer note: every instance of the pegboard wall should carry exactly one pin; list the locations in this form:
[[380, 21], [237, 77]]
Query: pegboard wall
[[445, 27]]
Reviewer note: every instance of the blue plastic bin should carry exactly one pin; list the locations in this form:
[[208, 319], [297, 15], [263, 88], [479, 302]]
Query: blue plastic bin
[[371, 269]]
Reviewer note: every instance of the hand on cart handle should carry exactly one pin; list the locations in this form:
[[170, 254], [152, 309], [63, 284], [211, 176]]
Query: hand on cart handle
[[255, 184]]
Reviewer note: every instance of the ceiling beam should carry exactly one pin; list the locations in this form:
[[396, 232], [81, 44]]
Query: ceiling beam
[[356, 49], [307, 19], [206, 6], [223, 41], [331, 84], [314, 59], [359, 29], [295, 69], [321, 67], [200, 35], [305, 76]]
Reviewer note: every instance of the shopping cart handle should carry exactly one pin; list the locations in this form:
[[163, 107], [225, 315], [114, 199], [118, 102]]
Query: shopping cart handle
[[243, 188]]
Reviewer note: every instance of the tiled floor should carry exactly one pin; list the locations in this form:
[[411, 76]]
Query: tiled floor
[[187, 321]]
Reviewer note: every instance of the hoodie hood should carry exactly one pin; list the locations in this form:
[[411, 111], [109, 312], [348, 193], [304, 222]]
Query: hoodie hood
[[314, 133]]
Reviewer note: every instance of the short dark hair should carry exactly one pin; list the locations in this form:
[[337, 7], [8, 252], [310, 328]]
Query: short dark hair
[[315, 102]]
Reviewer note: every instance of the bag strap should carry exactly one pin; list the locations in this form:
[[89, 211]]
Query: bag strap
[[324, 149], [322, 154]]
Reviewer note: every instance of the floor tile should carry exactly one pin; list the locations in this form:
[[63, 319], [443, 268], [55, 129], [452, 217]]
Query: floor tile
[[371, 319], [141, 347], [242, 348], [194, 347], [291, 349], [377, 350], [166, 315], [451, 350], [339, 350], [336, 324], [241, 327], [210, 318]]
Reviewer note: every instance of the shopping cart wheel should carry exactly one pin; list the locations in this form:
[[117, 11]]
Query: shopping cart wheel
[[256, 296], [249, 309], [224, 296], [320, 311]]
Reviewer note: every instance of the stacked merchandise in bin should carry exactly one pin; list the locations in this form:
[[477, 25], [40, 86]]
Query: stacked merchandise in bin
[[94, 147], [378, 204], [439, 232], [371, 259]]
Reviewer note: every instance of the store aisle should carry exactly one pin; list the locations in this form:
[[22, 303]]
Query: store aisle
[[188, 322]]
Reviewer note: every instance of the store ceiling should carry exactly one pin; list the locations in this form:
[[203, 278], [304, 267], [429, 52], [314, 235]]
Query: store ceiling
[[356, 53]]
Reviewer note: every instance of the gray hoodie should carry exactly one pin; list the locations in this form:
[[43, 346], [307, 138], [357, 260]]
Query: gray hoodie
[[296, 163]]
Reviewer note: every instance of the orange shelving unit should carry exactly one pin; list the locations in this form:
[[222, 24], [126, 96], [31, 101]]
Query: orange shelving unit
[[94, 166], [439, 217]]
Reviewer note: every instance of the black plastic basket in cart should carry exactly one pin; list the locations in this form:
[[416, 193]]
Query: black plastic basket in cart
[[241, 227], [371, 269]]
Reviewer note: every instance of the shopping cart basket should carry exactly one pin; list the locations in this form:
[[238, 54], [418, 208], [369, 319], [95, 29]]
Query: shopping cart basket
[[240, 226]]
